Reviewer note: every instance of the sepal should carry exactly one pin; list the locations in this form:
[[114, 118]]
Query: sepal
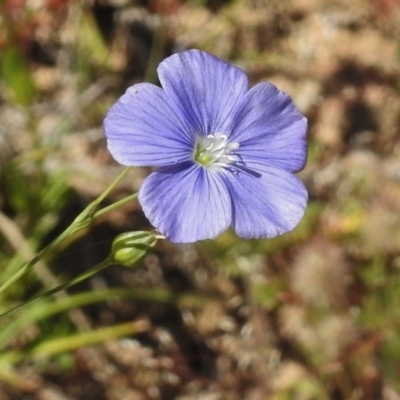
[[129, 248]]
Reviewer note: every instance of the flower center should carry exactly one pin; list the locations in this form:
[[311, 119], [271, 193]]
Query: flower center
[[215, 150]]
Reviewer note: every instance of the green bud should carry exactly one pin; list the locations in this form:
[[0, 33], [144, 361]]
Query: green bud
[[129, 248]]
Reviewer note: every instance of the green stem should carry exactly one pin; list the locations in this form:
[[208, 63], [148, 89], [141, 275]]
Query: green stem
[[91, 338], [115, 205], [82, 221], [45, 310], [73, 342], [102, 265]]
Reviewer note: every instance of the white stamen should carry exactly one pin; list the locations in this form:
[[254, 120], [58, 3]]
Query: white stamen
[[215, 151]]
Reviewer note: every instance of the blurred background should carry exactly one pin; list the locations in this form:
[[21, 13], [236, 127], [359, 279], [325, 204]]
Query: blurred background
[[314, 314]]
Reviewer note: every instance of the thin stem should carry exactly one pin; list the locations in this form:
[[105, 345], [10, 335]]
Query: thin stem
[[72, 342], [82, 221], [115, 205], [15, 237], [45, 310], [97, 268], [112, 186]]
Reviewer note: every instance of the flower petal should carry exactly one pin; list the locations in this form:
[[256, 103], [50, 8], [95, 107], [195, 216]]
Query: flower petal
[[270, 129], [267, 201], [186, 203], [145, 128], [207, 87]]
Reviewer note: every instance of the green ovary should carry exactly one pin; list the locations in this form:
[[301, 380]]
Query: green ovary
[[202, 156]]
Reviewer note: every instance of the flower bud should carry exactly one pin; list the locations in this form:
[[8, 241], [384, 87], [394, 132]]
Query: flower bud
[[131, 247]]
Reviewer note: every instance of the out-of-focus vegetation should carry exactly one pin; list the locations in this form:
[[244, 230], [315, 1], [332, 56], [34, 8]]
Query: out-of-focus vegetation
[[314, 314]]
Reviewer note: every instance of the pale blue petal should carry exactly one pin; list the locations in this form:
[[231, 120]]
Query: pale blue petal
[[186, 203], [206, 87], [266, 201], [270, 129], [145, 128]]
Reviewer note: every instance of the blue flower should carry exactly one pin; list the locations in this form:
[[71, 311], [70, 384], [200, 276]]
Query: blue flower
[[225, 155]]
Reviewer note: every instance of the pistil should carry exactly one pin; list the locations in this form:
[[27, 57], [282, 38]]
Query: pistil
[[215, 151]]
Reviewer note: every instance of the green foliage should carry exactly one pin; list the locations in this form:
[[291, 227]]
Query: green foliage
[[91, 51], [17, 75], [35, 195], [380, 312]]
